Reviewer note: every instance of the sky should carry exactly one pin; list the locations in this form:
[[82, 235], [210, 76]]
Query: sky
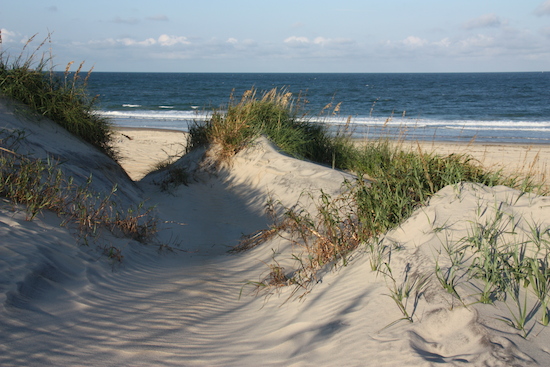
[[283, 35]]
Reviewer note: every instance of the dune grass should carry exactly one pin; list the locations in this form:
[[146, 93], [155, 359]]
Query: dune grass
[[277, 115], [391, 183], [399, 180], [29, 78], [404, 180], [496, 263], [41, 185]]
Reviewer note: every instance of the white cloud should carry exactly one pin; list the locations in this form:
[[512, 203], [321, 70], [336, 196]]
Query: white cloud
[[298, 41], [129, 42], [477, 41], [321, 41], [132, 42], [8, 36], [232, 41], [484, 21], [166, 40], [163, 40], [445, 42], [508, 43], [147, 42], [295, 40], [414, 42], [543, 9]]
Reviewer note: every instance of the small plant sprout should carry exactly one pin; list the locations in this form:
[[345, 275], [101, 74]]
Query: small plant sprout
[[521, 315], [448, 279], [377, 252], [539, 279], [539, 236], [400, 293], [489, 267]]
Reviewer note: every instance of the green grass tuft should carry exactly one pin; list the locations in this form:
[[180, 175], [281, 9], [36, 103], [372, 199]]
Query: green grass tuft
[[63, 99], [277, 115]]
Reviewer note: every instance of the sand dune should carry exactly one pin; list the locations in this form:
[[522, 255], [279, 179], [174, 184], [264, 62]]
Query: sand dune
[[65, 304]]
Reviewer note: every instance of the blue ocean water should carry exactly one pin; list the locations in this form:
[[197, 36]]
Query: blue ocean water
[[487, 107]]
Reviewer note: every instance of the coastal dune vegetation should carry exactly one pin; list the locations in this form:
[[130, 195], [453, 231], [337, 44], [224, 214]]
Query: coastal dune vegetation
[[30, 78], [29, 82], [389, 185]]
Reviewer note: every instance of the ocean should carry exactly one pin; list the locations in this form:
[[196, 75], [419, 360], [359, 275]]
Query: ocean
[[460, 107]]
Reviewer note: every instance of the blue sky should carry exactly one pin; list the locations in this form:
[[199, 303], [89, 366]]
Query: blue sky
[[287, 36]]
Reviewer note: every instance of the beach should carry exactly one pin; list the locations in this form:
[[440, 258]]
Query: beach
[[180, 299], [142, 148]]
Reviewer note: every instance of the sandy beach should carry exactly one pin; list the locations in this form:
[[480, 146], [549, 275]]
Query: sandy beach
[[142, 148], [182, 300]]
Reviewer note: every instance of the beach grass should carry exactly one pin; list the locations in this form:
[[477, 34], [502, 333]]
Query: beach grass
[[40, 185], [277, 115], [29, 78], [391, 184]]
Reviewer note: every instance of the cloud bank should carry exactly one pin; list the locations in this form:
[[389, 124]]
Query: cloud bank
[[486, 40]]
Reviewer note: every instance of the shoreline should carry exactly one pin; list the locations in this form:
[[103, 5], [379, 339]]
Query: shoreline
[[124, 128]]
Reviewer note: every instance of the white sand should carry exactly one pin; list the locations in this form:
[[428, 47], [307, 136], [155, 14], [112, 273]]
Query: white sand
[[63, 304], [142, 149]]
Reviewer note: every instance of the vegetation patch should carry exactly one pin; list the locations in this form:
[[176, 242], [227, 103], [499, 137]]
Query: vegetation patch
[[30, 79], [41, 185], [278, 115], [399, 182]]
